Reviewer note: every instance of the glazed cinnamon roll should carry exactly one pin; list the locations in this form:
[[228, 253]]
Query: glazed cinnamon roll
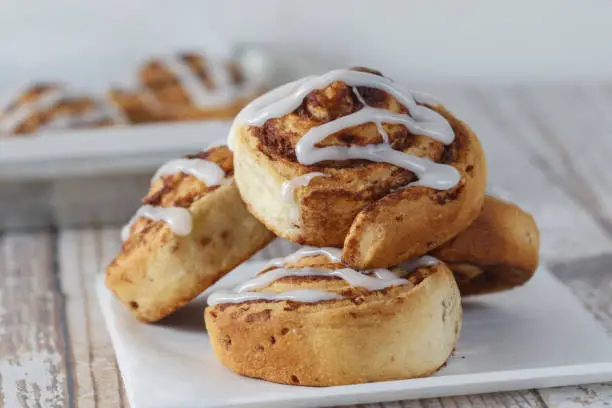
[[54, 106], [190, 86], [351, 159], [191, 229], [308, 319], [499, 251], [139, 106]]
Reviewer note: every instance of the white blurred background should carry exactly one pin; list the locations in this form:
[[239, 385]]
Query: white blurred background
[[92, 43], [98, 176]]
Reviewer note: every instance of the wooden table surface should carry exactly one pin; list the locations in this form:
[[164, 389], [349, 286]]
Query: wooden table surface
[[549, 148]]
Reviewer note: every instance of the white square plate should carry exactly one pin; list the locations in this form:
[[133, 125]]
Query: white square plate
[[534, 336]]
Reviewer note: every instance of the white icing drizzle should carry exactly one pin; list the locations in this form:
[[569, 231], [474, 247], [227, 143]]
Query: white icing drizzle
[[288, 191], [101, 110], [420, 120], [379, 126], [198, 92], [303, 296], [260, 103], [10, 121], [423, 97], [413, 264], [378, 279], [333, 254], [224, 90], [204, 170], [351, 276], [177, 218]]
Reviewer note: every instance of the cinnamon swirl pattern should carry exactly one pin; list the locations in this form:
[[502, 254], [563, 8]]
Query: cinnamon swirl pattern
[[54, 106], [191, 229], [309, 319], [351, 159]]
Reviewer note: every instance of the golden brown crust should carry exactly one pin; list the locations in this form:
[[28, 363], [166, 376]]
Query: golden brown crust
[[174, 101], [138, 105], [157, 271], [424, 217], [70, 106], [499, 251], [182, 190], [359, 206], [401, 332]]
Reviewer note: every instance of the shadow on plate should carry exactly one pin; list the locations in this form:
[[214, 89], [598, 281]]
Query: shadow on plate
[[188, 318]]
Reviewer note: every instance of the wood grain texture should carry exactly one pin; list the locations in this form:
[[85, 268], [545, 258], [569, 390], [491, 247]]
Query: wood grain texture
[[33, 369], [548, 148], [561, 124], [519, 173], [82, 255]]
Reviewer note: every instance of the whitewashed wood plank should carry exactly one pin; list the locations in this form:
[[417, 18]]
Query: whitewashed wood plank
[[512, 399], [522, 162], [110, 242], [573, 123], [565, 132], [568, 229], [591, 281], [33, 361], [97, 379], [592, 396]]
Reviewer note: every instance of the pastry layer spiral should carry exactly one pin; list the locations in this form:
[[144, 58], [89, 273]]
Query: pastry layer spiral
[[309, 319]]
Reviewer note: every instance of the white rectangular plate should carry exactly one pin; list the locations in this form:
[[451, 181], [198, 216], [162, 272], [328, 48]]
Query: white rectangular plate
[[531, 337], [109, 149]]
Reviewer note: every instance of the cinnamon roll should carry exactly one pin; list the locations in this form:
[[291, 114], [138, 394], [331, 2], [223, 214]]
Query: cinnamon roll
[[54, 106], [190, 86], [308, 319], [499, 251], [139, 106], [191, 230], [351, 159]]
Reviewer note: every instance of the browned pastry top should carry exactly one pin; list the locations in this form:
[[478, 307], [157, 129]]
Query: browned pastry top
[[333, 284], [179, 190], [499, 251], [166, 85], [279, 136]]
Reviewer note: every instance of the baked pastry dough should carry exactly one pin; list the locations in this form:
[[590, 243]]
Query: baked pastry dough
[[350, 159], [139, 106], [54, 106], [192, 229], [310, 320], [499, 251], [189, 86]]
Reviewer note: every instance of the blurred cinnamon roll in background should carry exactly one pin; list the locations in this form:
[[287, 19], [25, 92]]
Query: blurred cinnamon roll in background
[[56, 106], [190, 86], [169, 88]]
